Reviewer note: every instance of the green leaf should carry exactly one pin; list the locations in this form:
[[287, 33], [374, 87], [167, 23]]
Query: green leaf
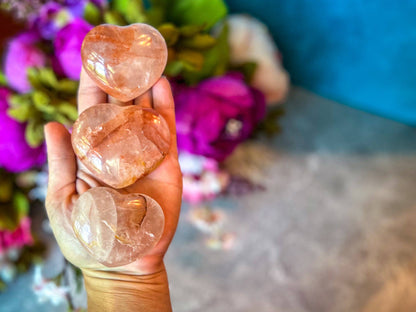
[[21, 113], [8, 216], [248, 69], [61, 118], [92, 13], [21, 205], [3, 80], [197, 12], [34, 133], [215, 60], [114, 18], [174, 68], [160, 3], [120, 6], [170, 32], [191, 30], [68, 110], [193, 60], [47, 77], [132, 10], [78, 278], [41, 101], [34, 78], [269, 126], [199, 42], [6, 189], [17, 100], [155, 15], [67, 86]]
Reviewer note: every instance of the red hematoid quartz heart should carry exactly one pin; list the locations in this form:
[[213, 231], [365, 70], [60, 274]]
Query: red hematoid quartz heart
[[117, 229], [124, 61], [120, 144]]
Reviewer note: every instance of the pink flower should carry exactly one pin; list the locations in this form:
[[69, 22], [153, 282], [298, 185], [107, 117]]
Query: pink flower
[[21, 54], [216, 115], [202, 178], [15, 154], [67, 46], [250, 41], [18, 238]]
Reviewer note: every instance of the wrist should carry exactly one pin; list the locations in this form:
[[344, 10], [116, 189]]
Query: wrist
[[114, 291]]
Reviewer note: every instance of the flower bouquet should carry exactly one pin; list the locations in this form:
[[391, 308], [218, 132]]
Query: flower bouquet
[[225, 73]]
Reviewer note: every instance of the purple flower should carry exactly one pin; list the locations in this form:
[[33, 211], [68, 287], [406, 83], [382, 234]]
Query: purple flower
[[53, 16], [67, 46], [21, 54], [15, 154], [216, 115], [47, 22]]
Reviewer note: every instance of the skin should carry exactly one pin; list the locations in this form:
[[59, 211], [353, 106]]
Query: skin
[[141, 285]]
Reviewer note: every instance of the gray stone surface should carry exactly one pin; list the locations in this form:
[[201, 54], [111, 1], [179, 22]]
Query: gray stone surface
[[334, 231]]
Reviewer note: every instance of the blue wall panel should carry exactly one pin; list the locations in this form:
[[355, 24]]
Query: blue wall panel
[[360, 53]]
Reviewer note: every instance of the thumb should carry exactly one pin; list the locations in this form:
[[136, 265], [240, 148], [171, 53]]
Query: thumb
[[61, 160], [163, 103]]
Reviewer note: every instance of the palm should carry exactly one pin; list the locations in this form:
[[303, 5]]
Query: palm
[[68, 180]]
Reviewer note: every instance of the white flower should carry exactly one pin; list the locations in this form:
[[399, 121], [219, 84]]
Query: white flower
[[206, 219], [250, 41], [191, 164], [47, 290], [7, 272]]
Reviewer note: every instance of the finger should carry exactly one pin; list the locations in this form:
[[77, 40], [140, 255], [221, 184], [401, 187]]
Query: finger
[[89, 93], [113, 100], [164, 104], [145, 100], [61, 159]]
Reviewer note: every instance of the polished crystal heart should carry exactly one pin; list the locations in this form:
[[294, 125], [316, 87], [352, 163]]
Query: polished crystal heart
[[120, 144], [124, 61], [115, 228]]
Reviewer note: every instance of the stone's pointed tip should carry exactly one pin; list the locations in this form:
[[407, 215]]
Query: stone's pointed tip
[[125, 61]]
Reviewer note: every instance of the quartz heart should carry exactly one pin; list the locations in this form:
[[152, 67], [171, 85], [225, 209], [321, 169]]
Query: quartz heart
[[117, 228], [120, 144], [124, 61]]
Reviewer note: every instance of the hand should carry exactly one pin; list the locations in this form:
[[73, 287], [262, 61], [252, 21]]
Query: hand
[[69, 179]]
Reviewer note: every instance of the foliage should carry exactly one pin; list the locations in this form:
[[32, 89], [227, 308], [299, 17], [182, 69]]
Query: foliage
[[14, 201], [51, 99]]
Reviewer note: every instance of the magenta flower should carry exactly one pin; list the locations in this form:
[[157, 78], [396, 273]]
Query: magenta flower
[[21, 54], [67, 46], [216, 115], [18, 238], [15, 154]]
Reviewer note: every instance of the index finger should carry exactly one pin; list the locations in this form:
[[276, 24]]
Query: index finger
[[89, 94]]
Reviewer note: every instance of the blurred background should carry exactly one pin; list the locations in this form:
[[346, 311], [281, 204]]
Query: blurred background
[[296, 136]]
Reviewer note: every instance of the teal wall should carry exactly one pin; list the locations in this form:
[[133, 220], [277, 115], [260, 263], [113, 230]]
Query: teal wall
[[360, 53]]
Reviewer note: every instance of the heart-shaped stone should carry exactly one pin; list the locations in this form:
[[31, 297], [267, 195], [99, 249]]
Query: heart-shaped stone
[[120, 144], [124, 61], [115, 228]]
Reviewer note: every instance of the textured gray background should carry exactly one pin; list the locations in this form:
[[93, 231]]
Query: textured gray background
[[334, 231]]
